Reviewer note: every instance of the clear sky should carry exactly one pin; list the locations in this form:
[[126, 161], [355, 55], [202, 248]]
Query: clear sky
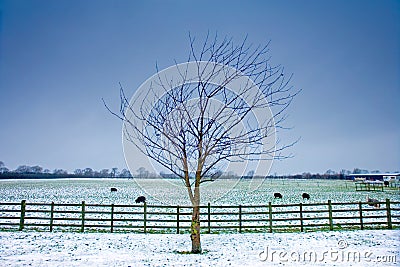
[[59, 58]]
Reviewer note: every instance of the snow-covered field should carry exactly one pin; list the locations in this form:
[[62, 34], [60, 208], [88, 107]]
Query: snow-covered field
[[337, 248], [348, 248], [227, 192]]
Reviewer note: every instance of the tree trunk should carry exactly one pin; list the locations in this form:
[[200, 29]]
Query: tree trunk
[[195, 226], [195, 230]]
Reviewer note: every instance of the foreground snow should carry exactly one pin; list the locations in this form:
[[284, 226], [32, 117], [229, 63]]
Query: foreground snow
[[349, 248]]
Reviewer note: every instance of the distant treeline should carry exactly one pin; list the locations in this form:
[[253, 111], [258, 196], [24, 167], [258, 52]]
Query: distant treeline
[[37, 172], [14, 175]]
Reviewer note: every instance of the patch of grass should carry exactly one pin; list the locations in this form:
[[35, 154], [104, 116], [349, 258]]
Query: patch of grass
[[185, 252]]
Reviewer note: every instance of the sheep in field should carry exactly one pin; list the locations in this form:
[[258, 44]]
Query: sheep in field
[[373, 202], [277, 195], [306, 196], [140, 199], [113, 189]]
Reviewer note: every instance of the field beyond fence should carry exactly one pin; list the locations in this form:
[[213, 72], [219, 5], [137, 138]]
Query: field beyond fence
[[214, 219]]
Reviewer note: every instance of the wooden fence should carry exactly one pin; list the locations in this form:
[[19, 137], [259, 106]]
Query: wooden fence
[[177, 219], [369, 186]]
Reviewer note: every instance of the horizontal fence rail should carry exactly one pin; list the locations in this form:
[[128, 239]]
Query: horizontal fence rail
[[177, 219]]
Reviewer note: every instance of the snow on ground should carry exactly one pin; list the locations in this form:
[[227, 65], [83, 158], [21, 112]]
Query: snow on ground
[[347, 248]]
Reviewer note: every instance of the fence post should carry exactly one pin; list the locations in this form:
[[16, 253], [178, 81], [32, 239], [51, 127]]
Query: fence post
[[112, 218], [361, 215], [301, 218], [51, 216], [83, 217], [240, 218], [270, 216], [209, 217], [22, 218], [330, 215], [389, 216], [177, 219], [145, 217]]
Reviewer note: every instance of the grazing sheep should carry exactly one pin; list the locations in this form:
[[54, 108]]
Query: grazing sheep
[[373, 202], [113, 189], [386, 183], [277, 195], [306, 196], [140, 199]]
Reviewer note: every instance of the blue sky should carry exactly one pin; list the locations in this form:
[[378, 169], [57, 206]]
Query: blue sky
[[59, 58]]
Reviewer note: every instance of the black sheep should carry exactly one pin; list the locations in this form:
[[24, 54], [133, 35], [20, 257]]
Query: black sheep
[[113, 189], [140, 199], [373, 202], [277, 195], [306, 196]]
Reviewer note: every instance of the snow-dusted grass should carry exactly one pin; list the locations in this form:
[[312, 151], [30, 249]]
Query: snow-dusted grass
[[349, 248], [98, 191]]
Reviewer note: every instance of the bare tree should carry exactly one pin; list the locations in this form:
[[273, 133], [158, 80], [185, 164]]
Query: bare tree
[[3, 168], [78, 172], [105, 173], [142, 173], [114, 172], [88, 172], [125, 173], [196, 125]]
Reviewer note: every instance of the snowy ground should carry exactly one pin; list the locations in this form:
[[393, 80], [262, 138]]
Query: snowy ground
[[348, 248]]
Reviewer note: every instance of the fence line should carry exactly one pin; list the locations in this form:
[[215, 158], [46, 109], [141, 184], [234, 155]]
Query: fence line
[[177, 219]]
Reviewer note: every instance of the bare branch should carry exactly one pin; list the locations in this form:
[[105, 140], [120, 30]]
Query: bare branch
[[193, 127]]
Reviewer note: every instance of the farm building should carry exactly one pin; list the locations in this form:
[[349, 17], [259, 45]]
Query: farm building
[[375, 181], [390, 177]]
